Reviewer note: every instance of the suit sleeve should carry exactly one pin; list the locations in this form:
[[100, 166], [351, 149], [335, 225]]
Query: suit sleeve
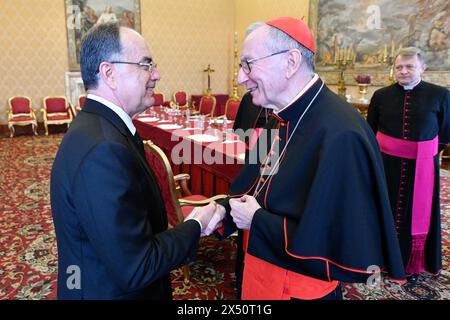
[[115, 213]]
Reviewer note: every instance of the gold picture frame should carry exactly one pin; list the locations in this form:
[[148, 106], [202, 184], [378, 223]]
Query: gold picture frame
[[81, 15], [374, 30]]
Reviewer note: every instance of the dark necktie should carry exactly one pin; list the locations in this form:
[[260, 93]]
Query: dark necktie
[[139, 142]]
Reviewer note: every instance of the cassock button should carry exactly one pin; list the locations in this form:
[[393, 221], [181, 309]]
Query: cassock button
[[262, 180], [282, 124]]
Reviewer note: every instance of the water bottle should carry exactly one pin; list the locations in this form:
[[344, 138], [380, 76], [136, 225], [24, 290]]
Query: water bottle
[[202, 122], [224, 123], [225, 128]]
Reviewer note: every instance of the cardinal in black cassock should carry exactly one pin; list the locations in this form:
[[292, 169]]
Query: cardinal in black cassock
[[316, 202]]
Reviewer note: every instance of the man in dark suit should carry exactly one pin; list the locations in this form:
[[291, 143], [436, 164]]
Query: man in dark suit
[[109, 215]]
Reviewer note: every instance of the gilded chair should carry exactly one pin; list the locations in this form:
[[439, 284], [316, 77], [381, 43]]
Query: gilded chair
[[178, 199], [231, 108], [81, 99], [56, 111], [207, 105], [21, 113], [180, 98], [159, 99]]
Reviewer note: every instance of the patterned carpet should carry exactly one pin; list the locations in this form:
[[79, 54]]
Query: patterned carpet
[[28, 255]]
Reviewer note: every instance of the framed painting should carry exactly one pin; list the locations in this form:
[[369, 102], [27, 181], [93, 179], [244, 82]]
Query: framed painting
[[81, 15], [74, 86], [368, 33]]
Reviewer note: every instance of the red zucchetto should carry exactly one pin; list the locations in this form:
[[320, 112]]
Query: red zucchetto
[[296, 29]]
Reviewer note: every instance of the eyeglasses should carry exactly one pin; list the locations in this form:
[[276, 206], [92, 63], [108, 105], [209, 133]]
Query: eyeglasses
[[148, 66], [245, 64]]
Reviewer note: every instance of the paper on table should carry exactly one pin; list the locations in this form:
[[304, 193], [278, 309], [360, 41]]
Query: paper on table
[[170, 126], [220, 121], [203, 137], [147, 119]]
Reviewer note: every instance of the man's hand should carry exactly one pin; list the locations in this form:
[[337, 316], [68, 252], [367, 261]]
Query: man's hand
[[242, 211], [216, 220], [208, 216]]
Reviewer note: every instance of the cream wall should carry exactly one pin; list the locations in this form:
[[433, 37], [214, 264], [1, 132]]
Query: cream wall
[[250, 11], [33, 56], [187, 35], [184, 36]]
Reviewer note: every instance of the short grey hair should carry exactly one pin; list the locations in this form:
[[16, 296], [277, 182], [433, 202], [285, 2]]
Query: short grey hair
[[411, 52], [279, 40], [101, 43]]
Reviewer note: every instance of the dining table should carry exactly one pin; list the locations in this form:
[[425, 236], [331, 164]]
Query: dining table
[[204, 147]]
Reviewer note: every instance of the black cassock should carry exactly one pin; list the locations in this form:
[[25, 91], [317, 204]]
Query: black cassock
[[419, 114], [325, 213], [250, 116]]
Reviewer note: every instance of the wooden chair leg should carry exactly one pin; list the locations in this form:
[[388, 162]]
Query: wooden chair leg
[[186, 273], [46, 129], [34, 129], [11, 131]]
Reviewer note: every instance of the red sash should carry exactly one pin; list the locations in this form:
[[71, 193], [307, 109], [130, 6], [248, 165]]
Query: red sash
[[423, 152], [265, 281]]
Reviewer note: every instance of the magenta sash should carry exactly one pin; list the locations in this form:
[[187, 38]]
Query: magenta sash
[[423, 152]]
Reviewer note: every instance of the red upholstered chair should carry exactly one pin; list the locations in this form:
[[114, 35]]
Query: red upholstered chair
[[178, 199], [231, 108], [81, 100], [180, 98], [207, 105], [21, 113], [56, 111], [159, 99]]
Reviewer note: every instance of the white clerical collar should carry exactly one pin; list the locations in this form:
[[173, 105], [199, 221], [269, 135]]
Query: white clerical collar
[[118, 110], [306, 88], [411, 86]]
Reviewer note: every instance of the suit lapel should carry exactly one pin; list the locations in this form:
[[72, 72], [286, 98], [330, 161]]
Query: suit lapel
[[92, 106]]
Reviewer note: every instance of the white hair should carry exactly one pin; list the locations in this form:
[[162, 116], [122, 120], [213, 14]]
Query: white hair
[[279, 40]]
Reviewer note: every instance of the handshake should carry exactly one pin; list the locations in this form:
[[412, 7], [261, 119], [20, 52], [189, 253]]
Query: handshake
[[210, 217]]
